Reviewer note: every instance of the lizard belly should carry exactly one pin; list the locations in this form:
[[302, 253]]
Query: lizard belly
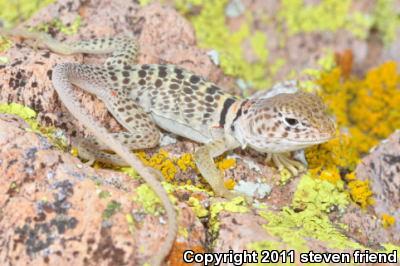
[[181, 129]]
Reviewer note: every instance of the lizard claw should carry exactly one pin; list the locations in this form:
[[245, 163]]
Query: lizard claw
[[282, 161]]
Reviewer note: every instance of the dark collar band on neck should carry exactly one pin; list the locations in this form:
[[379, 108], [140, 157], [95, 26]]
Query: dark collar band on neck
[[227, 104], [238, 113]]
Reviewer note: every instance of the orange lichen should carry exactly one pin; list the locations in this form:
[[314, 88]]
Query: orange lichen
[[367, 110], [345, 61], [387, 220], [175, 257], [325, 160]]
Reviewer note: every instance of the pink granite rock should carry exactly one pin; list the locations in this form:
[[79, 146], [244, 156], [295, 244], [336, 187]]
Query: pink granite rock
[[382, 169], [54, 210]]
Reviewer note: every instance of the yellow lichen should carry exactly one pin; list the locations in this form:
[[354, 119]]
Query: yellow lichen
[[74, 151], [161, 162], [225, 163], [387, 220], [361, 193], [229, 183], [186, 162]]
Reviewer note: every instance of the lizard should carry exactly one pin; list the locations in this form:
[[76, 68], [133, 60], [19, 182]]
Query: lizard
[[146, 97]]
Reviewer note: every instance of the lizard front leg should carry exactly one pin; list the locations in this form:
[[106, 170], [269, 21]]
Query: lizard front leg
[[205, 163]]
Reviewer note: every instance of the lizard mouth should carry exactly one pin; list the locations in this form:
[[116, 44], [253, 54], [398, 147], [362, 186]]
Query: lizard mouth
[[312, 141]]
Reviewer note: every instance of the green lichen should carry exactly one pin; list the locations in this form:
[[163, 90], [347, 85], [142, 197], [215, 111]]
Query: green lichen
[[296, 228], [56, 137], [24, 112], [112, 208], [57, 24], [130, 171], [389, 248], [213, 33], [183, 232], [131, 223], [259, 43], [328, 15], [386, 19], [319, 194], [196, 206], [12, 12], [148, 199], [145, 2], [307, 218], [237, 205], [104, 194], [4, 45]]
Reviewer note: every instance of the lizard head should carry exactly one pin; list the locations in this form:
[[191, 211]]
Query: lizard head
[[284, 122]]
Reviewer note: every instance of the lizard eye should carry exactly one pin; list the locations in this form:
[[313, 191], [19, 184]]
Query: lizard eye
[[291, 121]]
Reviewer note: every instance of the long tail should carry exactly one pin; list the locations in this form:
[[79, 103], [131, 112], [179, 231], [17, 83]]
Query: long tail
[[61, 75]]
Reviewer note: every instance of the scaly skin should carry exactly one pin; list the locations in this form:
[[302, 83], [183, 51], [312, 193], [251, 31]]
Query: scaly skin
[[146, 97]]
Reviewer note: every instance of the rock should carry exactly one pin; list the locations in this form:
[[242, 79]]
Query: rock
[[57, 211], [382, 168]]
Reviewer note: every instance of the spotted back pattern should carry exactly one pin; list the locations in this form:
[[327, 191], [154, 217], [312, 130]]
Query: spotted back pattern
[[172, 93]]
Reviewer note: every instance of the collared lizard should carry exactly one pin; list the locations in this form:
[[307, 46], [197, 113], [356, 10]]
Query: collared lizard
[[146, 97]]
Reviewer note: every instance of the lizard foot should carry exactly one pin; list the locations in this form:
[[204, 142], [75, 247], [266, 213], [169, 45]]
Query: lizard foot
[[282, 160]]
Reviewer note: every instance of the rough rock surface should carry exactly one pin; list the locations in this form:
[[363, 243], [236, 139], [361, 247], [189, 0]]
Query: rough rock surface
[[51, 209], [382, 168], [54, 210]]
